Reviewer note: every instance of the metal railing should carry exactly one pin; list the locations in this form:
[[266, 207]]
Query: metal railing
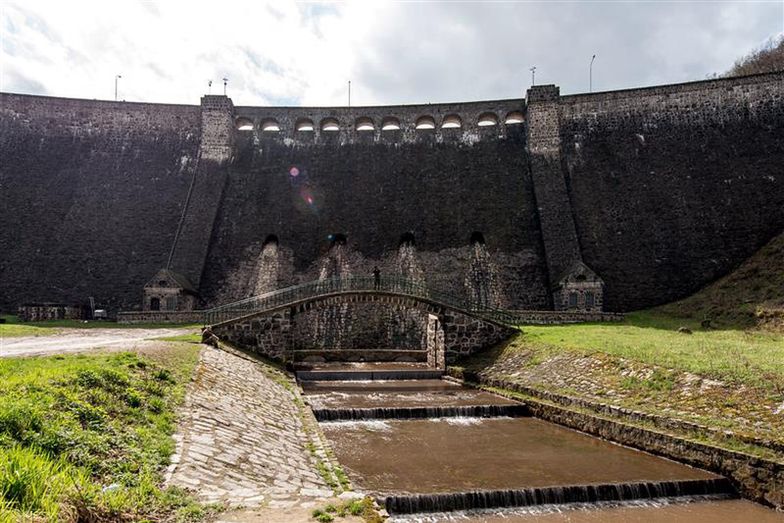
[[336, 286]]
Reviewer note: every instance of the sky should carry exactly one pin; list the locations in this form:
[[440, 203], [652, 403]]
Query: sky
[[287, 53]]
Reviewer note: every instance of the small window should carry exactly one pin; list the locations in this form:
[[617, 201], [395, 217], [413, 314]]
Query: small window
[[425, 122], [162, 283], [515, 117], [304, 125], [452, 122], [590, 300], [330, 125], [171, 303], [244, 124], [487, 120], [270, 125], [155, 304], [572, 300], [390, 123], [365, 124]]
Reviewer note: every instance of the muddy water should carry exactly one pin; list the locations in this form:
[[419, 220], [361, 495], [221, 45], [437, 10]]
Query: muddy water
[[397, 393], [725, 511], [464, 454]]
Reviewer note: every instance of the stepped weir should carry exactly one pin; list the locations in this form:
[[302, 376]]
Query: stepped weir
[[426, 448]]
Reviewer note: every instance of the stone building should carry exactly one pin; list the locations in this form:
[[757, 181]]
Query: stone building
[[169, 291], [580, 289]]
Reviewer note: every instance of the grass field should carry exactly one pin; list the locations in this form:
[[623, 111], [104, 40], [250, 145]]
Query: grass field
[[748, 356], [85, 438], [13, 328]]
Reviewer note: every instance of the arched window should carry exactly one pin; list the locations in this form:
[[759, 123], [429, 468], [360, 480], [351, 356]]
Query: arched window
[[452, 122], [304, 124], [155, 304], [390, 123], [243, 124], [514, 117], [270, 125], [272, 238], [477, 237], [590, 300], [407, 238], [487, 119], [330, 125], [365, 124], [572, 300], [425, 122]]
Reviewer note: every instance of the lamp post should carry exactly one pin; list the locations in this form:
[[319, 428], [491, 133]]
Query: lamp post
[[590, 75], [116, 78], [533, 75]]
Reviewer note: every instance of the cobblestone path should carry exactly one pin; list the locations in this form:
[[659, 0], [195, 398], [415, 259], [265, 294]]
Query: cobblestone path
[[242, 437]]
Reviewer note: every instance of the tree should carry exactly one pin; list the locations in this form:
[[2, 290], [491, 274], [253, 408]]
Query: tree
[[764, 59]]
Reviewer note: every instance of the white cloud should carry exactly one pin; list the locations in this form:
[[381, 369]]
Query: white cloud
[[303, 54]]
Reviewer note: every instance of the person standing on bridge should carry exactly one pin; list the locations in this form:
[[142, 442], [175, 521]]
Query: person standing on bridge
[[376, 278]]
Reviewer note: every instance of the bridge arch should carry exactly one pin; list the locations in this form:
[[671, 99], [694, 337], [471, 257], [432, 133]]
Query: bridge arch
[[268, 323]]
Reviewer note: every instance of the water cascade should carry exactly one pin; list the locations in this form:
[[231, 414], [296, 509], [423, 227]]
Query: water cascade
[[473, 411], [267, 268], [481, 279], [408, 504]]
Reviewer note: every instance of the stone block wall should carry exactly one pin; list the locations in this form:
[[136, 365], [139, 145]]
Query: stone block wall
[[674, 186], [268, 335], [50, 311], [91, 195]]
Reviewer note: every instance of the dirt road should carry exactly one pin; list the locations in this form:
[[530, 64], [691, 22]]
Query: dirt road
[[69, 341]]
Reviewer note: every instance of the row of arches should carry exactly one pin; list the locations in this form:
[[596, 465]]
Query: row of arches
[[389, 123]]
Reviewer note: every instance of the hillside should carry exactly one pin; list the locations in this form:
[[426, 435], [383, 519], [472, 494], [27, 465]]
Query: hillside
[[752, 295]]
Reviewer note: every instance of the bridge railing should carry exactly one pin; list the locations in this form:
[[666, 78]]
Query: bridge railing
[[391, 284]]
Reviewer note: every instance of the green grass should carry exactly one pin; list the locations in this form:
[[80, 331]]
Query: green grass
[[71, 426], [747, 356], [746, 297], [194, 337], [13, 328]]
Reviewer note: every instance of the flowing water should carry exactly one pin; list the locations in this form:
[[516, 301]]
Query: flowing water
[[433, 451]]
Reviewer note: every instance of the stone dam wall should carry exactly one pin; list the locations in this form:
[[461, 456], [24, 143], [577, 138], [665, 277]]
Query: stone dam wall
[[659, 190]]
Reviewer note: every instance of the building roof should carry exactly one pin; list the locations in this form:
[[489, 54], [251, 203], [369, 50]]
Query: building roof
[[174, 279]]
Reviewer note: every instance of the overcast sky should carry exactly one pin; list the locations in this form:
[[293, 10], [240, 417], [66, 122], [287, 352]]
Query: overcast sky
[[283, 53]]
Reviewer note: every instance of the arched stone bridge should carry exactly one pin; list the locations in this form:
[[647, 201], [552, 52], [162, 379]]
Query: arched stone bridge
[[268, 324]]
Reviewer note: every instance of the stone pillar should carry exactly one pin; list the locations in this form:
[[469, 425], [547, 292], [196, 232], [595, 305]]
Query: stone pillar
[[216, 151], [561, 246], [436, 358]]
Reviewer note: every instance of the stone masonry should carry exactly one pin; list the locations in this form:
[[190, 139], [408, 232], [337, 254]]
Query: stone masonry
[[242, 438]]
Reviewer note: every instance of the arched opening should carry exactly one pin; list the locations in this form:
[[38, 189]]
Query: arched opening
[[477, 237], [407, 238], [243, 124], [580, 277], [365, 124], [270, 125], [337, 239], [390, 123], [163, 283], [487, 120], [330, 125], [515, 117], [425, 122], [304, 124], [271, 238], [155, 304], [452, 122]]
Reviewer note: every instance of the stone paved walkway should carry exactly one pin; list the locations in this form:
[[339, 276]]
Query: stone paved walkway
[[241, 438]]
